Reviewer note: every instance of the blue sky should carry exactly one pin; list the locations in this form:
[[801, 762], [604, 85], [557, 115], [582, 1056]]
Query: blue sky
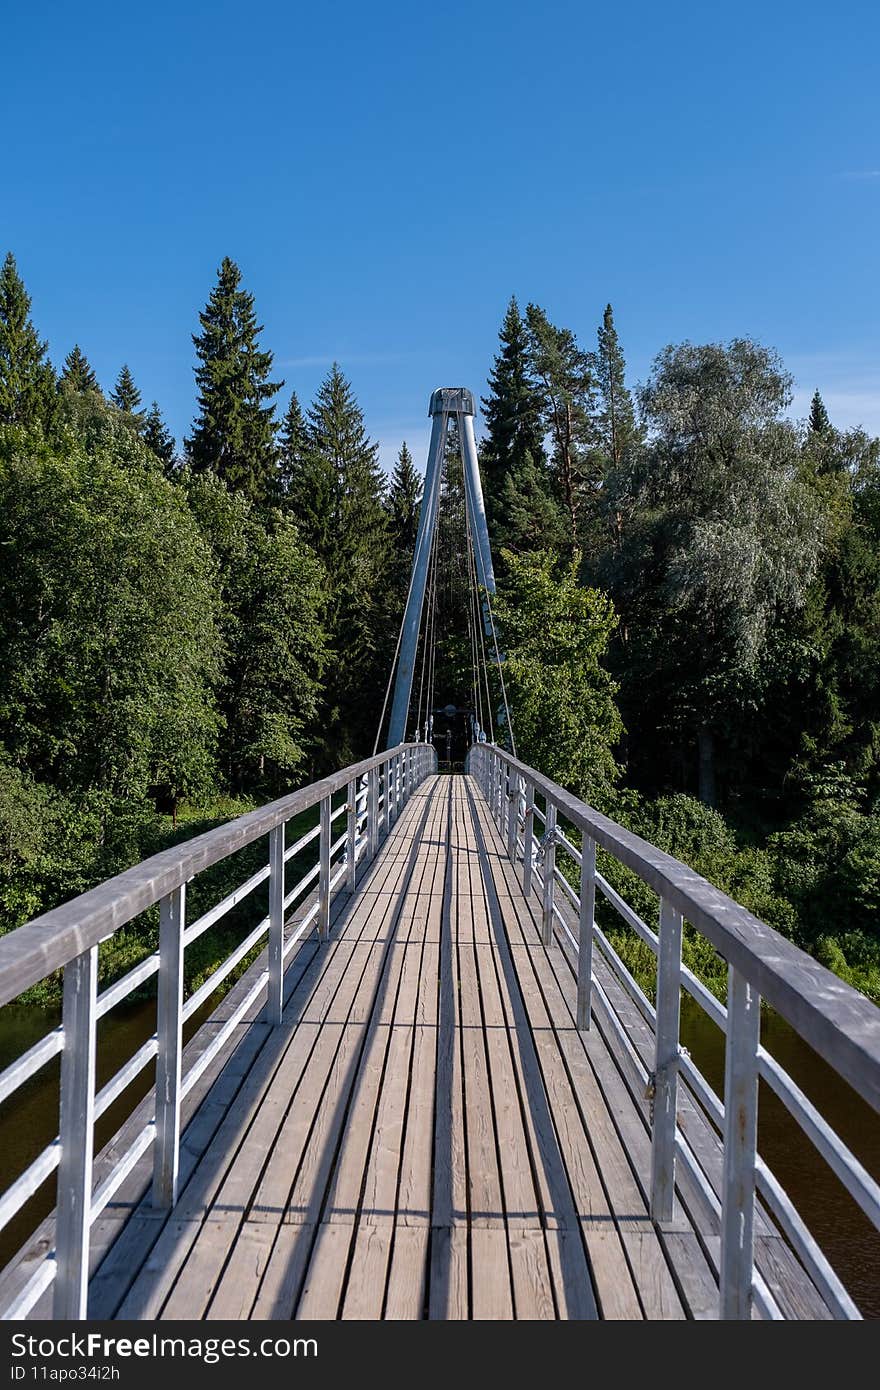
[[388, 175]]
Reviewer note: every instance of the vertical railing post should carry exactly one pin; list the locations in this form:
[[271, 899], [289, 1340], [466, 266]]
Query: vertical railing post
[[528, 838], [351, 838], [512, 816], [169, 1031], [549, 869], [740, 1138], [275, 996], [324, 871], [585, 931], [76, 1131], [665, 1100], [372, 812]]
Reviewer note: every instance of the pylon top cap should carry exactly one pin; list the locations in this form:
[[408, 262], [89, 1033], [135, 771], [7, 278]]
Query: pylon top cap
[[447, 399]]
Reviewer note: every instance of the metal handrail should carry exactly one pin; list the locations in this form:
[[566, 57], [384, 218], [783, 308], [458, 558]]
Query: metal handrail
[[68, 938], [838, 1022]]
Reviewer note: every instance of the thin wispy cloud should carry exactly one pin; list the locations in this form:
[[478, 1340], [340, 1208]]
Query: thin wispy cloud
[[861, 174]]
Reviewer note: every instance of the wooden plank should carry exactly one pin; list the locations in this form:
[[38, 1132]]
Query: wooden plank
[[485, 1201], [414, 1195], [532, 1282], [448, 1277], [571, 1275], [322, 1290], [368, 1274], [491, 1292], [236, 1291], [364, 1183], [285, 1270], [408, 1273], [449, 1202], [615, 1287]]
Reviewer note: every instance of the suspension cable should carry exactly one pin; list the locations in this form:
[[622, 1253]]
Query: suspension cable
[[426, 614], [428, 641], [495, 642], [474, 605], [500, 674]]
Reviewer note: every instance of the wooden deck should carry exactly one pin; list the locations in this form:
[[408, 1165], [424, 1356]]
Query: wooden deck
[[427, 1134]]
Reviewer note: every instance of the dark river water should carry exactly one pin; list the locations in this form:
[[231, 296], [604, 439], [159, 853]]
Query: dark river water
[[29, 1121]]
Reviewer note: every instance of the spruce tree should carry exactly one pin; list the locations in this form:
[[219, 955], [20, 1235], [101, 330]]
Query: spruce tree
[[125, 395], [27, 382], [338, 438], [234, 434], [404, 498], [403, 505], [513, 414], [77, 374], [158, 437], [819, 421], [354, 548], [306, 482]]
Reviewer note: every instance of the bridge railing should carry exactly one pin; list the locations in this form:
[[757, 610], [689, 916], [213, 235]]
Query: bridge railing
[[373, 793], [840, 1024]]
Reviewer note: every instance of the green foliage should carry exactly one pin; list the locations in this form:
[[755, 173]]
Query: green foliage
[[521, 510], [108, 629], [168, 633], [77, 375], [27, 381], [561, 699], [354, 546], [234, 433], [402, 505], [272, 600], [158, 438], [723, 541], [125, 395], [819, 422], [564, 373]]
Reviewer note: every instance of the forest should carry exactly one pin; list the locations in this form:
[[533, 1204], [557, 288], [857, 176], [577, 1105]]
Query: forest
[[688, 598]]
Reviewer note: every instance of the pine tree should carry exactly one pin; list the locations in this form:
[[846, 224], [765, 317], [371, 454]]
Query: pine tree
[[158, 437], [77, 374], [234, 434], [125, 395], [565, 374], [27, 382], [513, 413], [619, 435], [819, 421]]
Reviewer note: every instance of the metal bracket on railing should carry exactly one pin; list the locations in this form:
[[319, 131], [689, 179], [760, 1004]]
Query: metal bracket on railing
[[550, 837], [650, 1091]]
